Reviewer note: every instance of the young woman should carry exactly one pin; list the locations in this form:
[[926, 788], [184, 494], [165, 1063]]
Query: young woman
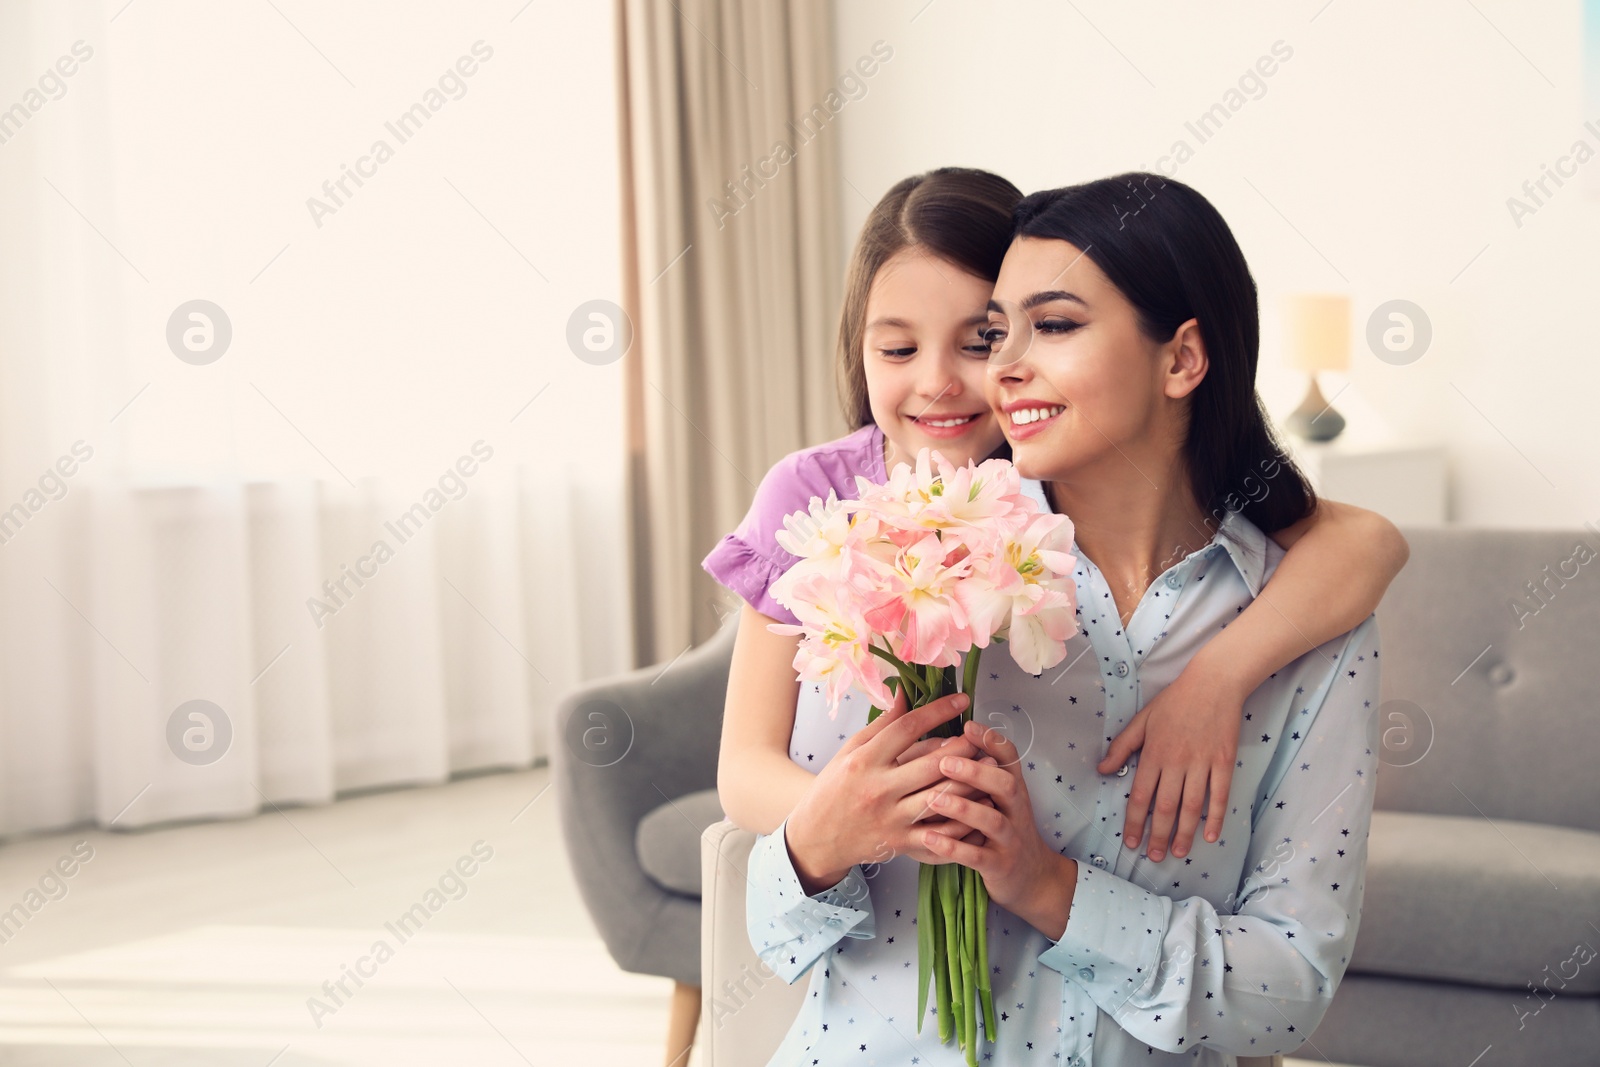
[[1137, 343], [912, 365]]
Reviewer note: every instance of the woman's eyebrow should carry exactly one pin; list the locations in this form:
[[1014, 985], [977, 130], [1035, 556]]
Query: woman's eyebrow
[[1049, 296], [1045, 297]]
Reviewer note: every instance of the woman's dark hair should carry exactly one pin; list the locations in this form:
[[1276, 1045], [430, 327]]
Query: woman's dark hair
[[959, 214], [1173, 257]]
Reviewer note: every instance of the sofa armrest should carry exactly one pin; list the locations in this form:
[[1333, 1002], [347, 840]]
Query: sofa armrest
[[622, 747], [745, 1008]]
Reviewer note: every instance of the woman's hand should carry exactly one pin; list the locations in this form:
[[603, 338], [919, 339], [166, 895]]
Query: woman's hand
[[869, 804], [1020, 872], [1190, 736]]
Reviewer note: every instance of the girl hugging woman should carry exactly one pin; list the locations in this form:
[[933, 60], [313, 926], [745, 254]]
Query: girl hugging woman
[[1223, 679]]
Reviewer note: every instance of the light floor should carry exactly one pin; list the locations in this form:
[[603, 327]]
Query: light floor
[[202, 944]]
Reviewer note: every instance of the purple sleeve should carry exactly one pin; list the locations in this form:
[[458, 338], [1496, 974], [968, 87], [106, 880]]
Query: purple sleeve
[[749, 559]]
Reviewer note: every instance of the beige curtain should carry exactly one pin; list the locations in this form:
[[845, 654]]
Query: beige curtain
[[732, 274]]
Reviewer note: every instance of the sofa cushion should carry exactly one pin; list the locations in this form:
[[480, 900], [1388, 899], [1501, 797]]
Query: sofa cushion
[[1392, 1021], [1496, 904], [668, 840], [1489, 676]]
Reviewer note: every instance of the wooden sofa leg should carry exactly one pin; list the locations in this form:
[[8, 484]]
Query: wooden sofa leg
[[681, 1023]]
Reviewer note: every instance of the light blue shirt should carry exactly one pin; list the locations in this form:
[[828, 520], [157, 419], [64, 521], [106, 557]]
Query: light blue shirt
[[1235, 949]]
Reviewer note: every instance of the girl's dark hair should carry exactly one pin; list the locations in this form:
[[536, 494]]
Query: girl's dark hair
[[958, 214], [1173, 257]]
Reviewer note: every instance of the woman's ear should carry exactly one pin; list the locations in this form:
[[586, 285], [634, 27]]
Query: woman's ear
[[1188, 365]]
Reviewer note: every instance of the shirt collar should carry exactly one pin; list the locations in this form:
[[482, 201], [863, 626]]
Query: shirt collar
[[1246, 545], [1240, 538]]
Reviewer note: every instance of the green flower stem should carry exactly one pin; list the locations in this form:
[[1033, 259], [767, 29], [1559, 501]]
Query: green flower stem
[[941, 975], [924, 939], [969, 678], [969, 938], [952, 901], [989, 1026], [952, 936], [910, 679]]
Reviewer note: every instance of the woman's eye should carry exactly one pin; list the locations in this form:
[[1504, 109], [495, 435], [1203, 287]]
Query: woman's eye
[[1056, 326], [993, 336]]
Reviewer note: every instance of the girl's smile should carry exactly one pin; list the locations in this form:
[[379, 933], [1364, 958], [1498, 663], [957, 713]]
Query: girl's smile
[[924, 358], [947, 426]]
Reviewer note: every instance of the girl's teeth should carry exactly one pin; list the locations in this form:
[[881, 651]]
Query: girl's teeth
[[947, 422], [1022, 418]]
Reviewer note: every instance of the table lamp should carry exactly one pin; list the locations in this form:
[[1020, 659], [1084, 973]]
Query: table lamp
[[1317, 330]]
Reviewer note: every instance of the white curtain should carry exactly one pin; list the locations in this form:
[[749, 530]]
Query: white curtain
[[736, 293], [183, 556]]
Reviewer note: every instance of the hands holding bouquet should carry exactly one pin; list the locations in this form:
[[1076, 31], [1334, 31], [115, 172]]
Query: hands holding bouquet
[[896, 592]]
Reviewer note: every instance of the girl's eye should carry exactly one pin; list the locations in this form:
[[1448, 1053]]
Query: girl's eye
[[898, 353]]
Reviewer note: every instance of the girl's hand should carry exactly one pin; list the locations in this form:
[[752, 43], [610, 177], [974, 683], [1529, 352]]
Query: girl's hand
[[1190, 736], [1019, 870], [867, 805]]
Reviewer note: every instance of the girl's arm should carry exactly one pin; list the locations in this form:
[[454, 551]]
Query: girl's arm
[[757, 784], [1339, 560]]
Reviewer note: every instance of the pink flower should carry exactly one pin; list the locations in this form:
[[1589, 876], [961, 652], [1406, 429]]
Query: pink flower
[[953, 502], [1044, 601], [836, 640], [914, 601], [1020, 593], [934, 562], [819, 534]]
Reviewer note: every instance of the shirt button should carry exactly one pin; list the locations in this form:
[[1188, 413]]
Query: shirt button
[[1122, 668], [1098, 861], [833, 920], [1173, 581], [1122, 771], [1087, 974]]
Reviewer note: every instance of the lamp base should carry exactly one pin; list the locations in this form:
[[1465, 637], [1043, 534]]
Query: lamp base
[[1315, 419]]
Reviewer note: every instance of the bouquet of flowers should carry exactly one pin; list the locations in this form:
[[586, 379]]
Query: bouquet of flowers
[[899, 591]]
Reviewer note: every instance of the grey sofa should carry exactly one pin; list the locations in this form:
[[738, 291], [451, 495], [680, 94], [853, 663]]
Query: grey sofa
[[1483, 872], [1483, 877]]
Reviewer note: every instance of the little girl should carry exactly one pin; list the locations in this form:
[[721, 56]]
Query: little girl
[[912, 362]]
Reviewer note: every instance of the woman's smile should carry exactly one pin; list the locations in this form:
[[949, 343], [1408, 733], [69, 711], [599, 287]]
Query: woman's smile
[[1028, 418]]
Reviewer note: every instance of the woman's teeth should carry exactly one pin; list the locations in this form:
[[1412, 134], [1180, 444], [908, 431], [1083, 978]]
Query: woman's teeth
[[1027, 415], [960, 421]]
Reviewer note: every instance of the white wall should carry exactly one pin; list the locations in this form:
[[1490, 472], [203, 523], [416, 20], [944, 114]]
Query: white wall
[[1390, 140], [420, 316]]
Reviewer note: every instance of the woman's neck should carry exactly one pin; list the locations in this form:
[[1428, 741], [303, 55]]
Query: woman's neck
[[1131, 529]]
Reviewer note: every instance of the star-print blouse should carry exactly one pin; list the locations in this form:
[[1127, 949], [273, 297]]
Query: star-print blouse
[[1235, 949]]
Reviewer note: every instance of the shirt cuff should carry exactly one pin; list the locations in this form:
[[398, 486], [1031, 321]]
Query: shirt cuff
[[1112, 943], [789, 929]]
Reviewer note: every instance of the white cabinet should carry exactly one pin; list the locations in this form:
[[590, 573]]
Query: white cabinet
[[1403, 483]]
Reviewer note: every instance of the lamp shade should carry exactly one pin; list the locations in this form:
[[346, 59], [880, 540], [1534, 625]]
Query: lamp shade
[[1317, 331]]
